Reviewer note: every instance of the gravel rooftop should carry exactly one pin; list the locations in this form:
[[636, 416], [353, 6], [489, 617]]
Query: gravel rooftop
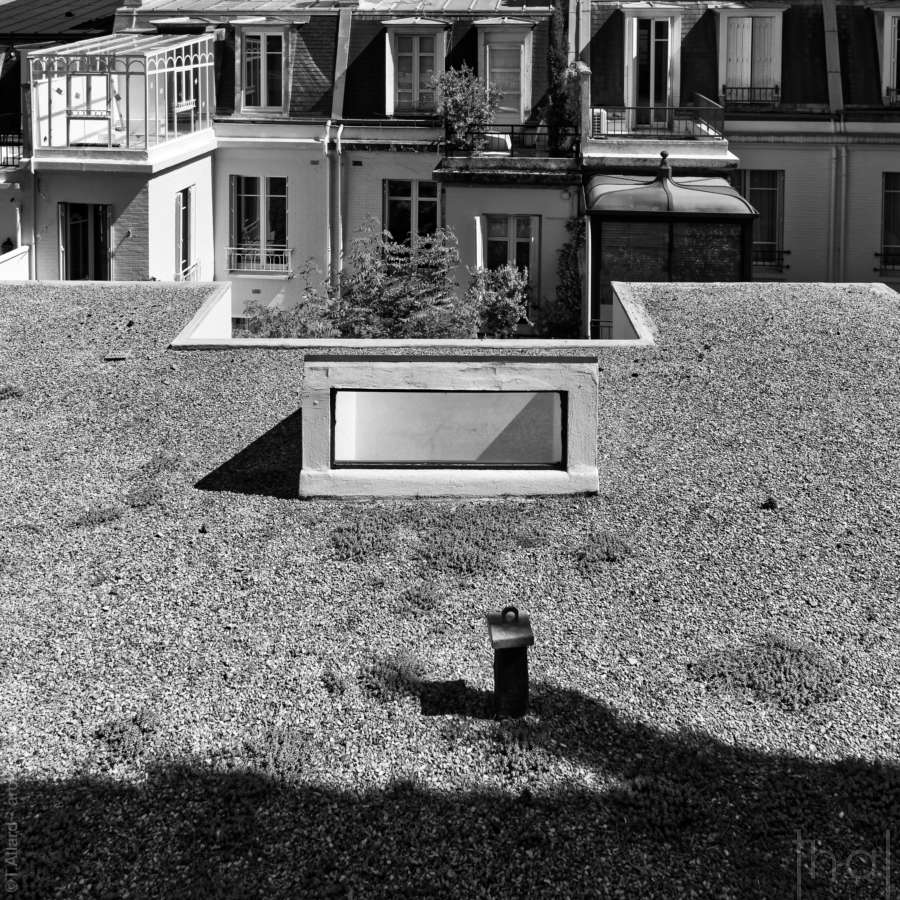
[[213, 689]]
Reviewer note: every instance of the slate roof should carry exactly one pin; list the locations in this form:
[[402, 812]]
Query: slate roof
[[55, 17]]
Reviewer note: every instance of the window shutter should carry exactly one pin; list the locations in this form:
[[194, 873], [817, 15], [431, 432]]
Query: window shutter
[[178, 236], [894, 71], [63, 233], [738, 63], [534, 258], [762, 70], [479, 242]]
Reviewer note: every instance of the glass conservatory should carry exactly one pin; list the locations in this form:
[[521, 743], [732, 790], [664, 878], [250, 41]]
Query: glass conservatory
[[122, 91]]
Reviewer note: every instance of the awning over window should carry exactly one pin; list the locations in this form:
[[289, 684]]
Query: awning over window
[[643, 195]]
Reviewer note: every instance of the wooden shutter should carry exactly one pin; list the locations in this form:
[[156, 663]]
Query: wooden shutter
[[762, 67], [738, 61], [63, 236], [179, 236]]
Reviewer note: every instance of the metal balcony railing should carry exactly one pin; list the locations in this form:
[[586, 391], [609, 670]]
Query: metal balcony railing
[[738, 95], [770, 257], [256, 259], [191, 273], [888, 259], [10, 149], [892, 96], [516, 140], [703, 119]]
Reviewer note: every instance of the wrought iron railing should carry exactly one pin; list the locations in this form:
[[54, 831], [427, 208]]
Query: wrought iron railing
[[888, 259], [704, 118], [770, 257], [516, 140], [10, 140], [256, 259], [10, 149], [892, 97], [191, 273], [739, 95]]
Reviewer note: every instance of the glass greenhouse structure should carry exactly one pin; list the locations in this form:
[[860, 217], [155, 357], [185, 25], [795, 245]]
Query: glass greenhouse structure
[[122, 91]]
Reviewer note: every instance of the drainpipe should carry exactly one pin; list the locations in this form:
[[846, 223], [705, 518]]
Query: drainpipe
[[842, 229], [339, 202], [831, 268], [32, 261], [326, 158]]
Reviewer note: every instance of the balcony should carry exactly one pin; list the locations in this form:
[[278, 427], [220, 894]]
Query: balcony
[[10, 142], [121, 93], [693, 134], [516, 141], [769, 256], [273, 259], [744, 96], [888, 260]]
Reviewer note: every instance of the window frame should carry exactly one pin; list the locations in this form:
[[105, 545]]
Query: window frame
[[508, 33], [414, 200], [888, 23], [534, 256], [415, 28], [671, 14], [190, 273], [775, 12], [741, 179], [262, 249], [889, 256], [240, 64]]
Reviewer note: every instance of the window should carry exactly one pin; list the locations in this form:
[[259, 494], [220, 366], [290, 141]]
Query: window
[[259, 225], [764, 189], [263, 70], [505, 54], [415, 69], [750, 55], [185, 265], [411, 208], [652, 65], [416, 49], [513, 240], [890, 70], [890, 223]]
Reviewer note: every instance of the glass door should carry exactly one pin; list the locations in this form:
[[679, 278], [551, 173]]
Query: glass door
[[84, 241], [651, 81]]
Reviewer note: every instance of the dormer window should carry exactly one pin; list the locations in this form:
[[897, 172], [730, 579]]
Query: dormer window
[[262, 70], [750, 55], [890, 58], [504, 53], [415, 53]]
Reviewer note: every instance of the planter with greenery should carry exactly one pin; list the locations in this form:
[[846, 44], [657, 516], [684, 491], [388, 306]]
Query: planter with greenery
[[467, 104]]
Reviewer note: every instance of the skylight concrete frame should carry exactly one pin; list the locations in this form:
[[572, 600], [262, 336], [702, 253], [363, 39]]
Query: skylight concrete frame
[[414, 389]]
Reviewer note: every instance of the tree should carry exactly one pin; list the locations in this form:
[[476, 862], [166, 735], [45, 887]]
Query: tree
[[467, 104], [562, 318], [402, 290], [501, 298]]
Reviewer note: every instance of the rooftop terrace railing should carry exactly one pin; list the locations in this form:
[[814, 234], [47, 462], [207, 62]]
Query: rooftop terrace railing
[[516, 140], [739, 95], [703, 119], [888, 259], [10, 141]]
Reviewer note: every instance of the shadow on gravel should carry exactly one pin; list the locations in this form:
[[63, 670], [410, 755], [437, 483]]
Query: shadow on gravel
[[454, 698], [682, 816], [270, 466]]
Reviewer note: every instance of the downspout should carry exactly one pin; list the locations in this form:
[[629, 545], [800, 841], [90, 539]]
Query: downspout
[[339, 202], [326, 158], [32, 260], [842, 230], [831, 268]]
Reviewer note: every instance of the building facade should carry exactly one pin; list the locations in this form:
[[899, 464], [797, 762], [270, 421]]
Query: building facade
[[250, 141]]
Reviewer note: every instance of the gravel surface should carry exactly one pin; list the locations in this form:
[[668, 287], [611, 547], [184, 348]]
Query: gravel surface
[[211, 689]]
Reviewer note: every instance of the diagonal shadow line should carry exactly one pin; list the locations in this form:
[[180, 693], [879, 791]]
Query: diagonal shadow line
[[269, 467]]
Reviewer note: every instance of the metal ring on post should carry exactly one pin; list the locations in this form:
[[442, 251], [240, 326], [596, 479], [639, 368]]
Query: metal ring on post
[[509, 609]]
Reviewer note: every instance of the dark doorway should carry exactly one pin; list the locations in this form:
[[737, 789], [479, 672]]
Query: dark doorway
[[84, 241]]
